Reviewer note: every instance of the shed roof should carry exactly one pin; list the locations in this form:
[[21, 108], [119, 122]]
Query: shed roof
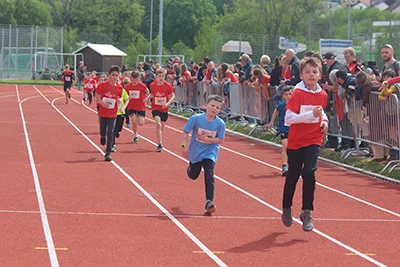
[[103, 50]]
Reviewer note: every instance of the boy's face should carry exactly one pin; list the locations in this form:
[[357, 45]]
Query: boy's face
[[310, 75], [213, 107], [160, 77], [385, 78], [113, 77], [287, 95], [101, 79], [135, 80]]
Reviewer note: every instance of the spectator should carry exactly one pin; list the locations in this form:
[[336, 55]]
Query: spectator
[[387, 54], [294, 63], [81, 74], [264, 62]]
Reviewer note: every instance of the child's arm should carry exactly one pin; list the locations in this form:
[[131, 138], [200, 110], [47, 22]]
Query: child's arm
[[306, 117], [185, 137], [171, 98], [146, 99], [208, 140], [271, 124], [394, 80], [99, 101]]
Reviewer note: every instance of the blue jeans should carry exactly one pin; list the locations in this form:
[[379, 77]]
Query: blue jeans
[[79, 85]]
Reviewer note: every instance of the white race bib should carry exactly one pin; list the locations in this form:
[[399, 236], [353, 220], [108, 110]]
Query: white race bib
[[89, 85], [134, 94], [207, 133], [67, 79], [160, 100], [110, 102], [307, 108]]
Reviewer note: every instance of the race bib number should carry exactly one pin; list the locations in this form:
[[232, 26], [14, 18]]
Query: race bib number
[[206, 133], [134, 94], [110, 102], [67, 79], [307, 108], [160, 101], [89, 85]]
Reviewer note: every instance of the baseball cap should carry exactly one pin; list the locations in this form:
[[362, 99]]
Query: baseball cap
[[329, 55]]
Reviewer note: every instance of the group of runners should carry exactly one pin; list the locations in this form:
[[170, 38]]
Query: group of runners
[[303, 112]]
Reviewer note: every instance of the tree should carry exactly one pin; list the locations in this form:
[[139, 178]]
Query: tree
[[191, 14], [181, 49], [205, 41], [33, 12], [61, 12], [7, 11]]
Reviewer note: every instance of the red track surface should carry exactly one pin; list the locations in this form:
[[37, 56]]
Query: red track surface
[[98, 217]]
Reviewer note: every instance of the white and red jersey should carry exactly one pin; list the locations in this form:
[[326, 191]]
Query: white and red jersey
[[90, 85], [305, 129]]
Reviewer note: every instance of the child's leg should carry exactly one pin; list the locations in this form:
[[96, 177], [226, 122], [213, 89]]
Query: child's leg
[[284, 152], [158, 129], [208, 166], [90, 97], [135, 120], [103, 130], [194, 169], [118, 127], [110, 122], [308, 174], [295, 160]]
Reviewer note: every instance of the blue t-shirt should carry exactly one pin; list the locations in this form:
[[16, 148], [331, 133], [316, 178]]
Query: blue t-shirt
[[198, 124], [281, 107]]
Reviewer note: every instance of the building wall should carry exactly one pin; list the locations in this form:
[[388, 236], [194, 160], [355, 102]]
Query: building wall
[[92, 60], [108, 61]]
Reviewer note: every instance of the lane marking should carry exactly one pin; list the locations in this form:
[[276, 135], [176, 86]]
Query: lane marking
[[202, 252], [367, 254], [152, 199], [279, 169], [44, 248], [42, 208], [195, 216], [326, 236]]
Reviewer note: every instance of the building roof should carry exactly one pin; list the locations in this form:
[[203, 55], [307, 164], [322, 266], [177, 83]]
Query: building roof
[[103, 50]]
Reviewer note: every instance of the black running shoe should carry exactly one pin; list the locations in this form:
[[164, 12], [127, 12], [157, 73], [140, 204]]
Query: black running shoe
[[103, 140]]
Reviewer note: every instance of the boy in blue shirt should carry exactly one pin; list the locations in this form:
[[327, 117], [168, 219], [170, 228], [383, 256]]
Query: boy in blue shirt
[[208, 132], [282, 129]]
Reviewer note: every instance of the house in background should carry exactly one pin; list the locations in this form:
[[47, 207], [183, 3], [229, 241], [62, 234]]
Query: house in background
[[100, 57]]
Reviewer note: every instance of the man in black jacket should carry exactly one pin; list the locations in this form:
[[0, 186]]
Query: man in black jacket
[[294, 64]]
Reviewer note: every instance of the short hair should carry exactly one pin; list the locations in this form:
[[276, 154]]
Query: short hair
[[265, 59], [114, 68], [389, 72], [309, 53], [126, 80], [287, 88], [349, 50], [215, 98], [135, 74], [161, 71], [311, 61], [66, 67], [341, 74]]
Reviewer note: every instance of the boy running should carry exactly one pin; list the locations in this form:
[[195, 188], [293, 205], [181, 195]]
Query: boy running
[[89, 86], [136, 108], [108, 96], [162, 94], [283, 130], [308, 124], [124, 100], [208, 132], [68, 78]]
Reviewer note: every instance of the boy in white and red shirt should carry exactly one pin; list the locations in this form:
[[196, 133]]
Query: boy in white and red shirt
[[89, 86], [136, 107], [308, 124], [162, 94], [108, 96]]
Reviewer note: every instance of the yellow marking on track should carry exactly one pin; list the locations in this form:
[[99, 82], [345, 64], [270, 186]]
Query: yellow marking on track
[[202, 252], [366, 254], [44, 248]]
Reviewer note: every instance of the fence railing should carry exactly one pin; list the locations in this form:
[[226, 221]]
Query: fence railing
[[376, 123]]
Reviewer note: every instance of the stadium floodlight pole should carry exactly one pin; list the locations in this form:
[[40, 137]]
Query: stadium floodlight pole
[[160, 35], [151, 27]]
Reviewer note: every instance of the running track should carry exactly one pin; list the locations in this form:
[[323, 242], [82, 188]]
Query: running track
[[62, 205]]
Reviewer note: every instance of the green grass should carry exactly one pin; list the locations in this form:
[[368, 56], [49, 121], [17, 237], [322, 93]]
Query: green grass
[[38, 82], [359, 162]]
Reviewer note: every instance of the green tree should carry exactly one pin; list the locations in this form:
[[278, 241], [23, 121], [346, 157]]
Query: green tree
[[181, 49], [7, 12], [205, 41], [33, 12], [183, 19]]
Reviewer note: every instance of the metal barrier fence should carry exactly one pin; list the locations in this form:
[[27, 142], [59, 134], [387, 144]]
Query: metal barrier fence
[[376, 123]]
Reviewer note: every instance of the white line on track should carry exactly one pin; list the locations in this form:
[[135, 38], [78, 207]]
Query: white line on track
[[277, 168], [42, 208], [152, 199], [193, 216], [335, 241]]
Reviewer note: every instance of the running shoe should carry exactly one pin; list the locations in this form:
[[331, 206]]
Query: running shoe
[[114, 148], [210, 208], [159, 148], [136, 139], [108, 157], [128, 124], [307, 220], [284, 170]]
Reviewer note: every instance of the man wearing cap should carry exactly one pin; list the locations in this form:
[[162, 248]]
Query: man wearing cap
[[332, 89], [387, 54]]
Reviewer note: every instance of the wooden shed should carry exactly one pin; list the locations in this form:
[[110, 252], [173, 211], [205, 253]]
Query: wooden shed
[[100, 57]]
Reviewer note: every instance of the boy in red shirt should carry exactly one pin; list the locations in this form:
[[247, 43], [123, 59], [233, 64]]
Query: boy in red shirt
[[136, 108], [67, 78], [162, 94], [308, 124], [89, 86], [108, 96]]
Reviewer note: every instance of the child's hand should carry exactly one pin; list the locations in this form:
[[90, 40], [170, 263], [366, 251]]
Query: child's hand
[[317, 112], [145, 101], [164, 106], [385, 84], [270, 126], [324, 127], [184, 151], [202, 138]]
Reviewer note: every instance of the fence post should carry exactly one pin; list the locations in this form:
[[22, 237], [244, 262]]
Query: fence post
[[16, 49], [216, 47], [240, 43], [9, 51]]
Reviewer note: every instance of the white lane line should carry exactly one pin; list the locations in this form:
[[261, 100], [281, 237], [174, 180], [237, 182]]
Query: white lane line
[[335, 241], [152, 199], [42, 208], [279, 169], [193, 216]]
